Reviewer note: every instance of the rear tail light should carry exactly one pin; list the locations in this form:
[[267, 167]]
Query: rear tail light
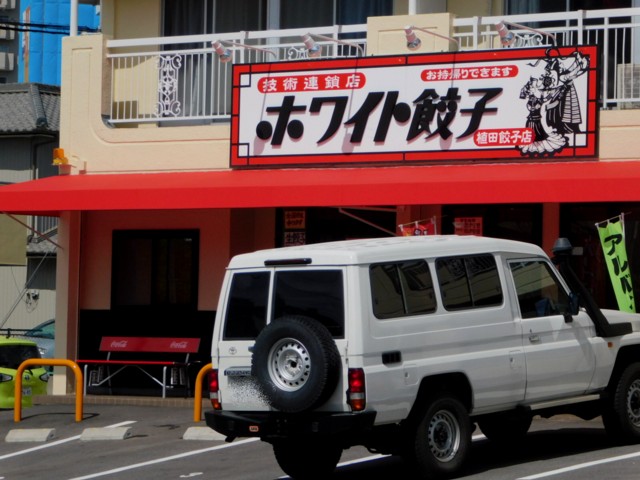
[[214, 389], [356, 394]]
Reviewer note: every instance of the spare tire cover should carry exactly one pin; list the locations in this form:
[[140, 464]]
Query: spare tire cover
[[296, 363]]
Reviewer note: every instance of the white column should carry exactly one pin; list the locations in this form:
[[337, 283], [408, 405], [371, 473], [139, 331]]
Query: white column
[[635, 36], [73, 18]]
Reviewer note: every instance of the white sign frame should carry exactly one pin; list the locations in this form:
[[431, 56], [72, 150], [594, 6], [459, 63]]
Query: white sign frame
[[505, 105]]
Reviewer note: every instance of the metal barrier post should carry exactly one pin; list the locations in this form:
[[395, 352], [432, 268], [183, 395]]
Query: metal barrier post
[[55, 362], [197, 396]]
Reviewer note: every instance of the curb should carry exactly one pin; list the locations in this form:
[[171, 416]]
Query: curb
[[202, 433], [30, 435], [107, 433]]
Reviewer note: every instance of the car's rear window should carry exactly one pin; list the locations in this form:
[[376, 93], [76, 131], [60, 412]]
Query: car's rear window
[[11, 356], [247, 305], [317, 294]]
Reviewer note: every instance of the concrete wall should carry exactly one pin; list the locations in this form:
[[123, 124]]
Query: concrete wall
[[94, 147]]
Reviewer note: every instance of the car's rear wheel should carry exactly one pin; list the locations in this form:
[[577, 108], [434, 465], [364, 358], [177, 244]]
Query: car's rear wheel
[[296, 363], [441, 440], [621, 416], [307, 459]]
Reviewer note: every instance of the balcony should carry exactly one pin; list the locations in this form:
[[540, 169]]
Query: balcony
[[181, 81]]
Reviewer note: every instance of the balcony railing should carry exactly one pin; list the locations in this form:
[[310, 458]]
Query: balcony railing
[[181, 81]]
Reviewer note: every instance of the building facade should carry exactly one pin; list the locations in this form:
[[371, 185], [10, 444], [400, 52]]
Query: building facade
[[29, 129], [8, 42], [43, 24], [151, 206], [31, 33]]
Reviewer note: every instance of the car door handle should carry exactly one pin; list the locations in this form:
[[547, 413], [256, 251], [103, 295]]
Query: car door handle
[[534, 338]]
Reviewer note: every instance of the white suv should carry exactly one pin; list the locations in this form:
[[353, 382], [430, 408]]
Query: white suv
[[402, 344]]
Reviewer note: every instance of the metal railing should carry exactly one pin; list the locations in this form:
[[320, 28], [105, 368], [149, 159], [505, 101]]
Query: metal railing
[[181, 81]]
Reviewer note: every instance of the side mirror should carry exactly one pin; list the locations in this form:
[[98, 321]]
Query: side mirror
[[572, 309], [574, 303]]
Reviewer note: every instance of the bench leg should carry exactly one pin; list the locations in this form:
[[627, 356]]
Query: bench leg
[[164, 381]]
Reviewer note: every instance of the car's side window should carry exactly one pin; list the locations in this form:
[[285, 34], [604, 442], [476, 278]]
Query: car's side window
[[539, 292], [401, 288], [469, 282]]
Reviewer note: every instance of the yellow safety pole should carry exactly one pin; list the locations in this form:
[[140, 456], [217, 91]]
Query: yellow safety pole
[[55, 362], [197, 400]]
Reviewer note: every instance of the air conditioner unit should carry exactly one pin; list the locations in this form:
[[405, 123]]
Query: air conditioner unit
[[7, 4], [628, 85], [6, 61], [7, 34]]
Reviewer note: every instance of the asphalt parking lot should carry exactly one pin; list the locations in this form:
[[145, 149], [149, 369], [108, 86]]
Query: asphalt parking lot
[[163, 442], [128, 430]]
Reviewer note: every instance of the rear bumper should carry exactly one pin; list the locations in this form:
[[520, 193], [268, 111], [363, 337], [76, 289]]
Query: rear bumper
[[274, 425]]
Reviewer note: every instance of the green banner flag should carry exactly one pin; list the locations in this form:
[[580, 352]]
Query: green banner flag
[[615, 254]]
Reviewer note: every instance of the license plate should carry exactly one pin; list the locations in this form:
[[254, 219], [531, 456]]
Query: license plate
[[26, 392]]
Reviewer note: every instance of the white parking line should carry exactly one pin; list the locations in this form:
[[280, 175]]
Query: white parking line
[[59, 442], [165, 459], [580, 466]]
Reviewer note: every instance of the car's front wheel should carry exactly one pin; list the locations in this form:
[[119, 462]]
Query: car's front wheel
[[312, 459], [621, 416]]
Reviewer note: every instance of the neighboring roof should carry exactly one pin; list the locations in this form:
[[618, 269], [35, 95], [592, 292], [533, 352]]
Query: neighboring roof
[[554, 182], [41, 246], [29, 108]]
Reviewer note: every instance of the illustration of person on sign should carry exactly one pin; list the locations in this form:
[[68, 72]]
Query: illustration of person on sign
[[552, 103]]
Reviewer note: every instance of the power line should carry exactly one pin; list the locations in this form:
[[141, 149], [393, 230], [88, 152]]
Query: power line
[[54, 29]]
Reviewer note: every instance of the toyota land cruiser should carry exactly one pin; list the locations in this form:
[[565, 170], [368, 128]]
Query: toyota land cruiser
[[403, 344]]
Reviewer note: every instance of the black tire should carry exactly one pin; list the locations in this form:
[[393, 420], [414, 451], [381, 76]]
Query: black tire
[[296, 363], [307, 459], [506, 428], [621, 415], [441, 441]]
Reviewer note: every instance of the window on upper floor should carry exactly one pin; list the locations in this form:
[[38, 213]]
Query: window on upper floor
[[193, 17], [515, 7]]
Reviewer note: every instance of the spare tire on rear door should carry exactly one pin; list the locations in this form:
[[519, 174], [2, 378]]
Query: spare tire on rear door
[[296, 363]]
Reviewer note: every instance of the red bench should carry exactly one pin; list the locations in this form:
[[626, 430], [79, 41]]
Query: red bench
[[181, 348]]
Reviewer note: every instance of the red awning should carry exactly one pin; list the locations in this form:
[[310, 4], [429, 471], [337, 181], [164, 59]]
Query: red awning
[[339, 187]]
